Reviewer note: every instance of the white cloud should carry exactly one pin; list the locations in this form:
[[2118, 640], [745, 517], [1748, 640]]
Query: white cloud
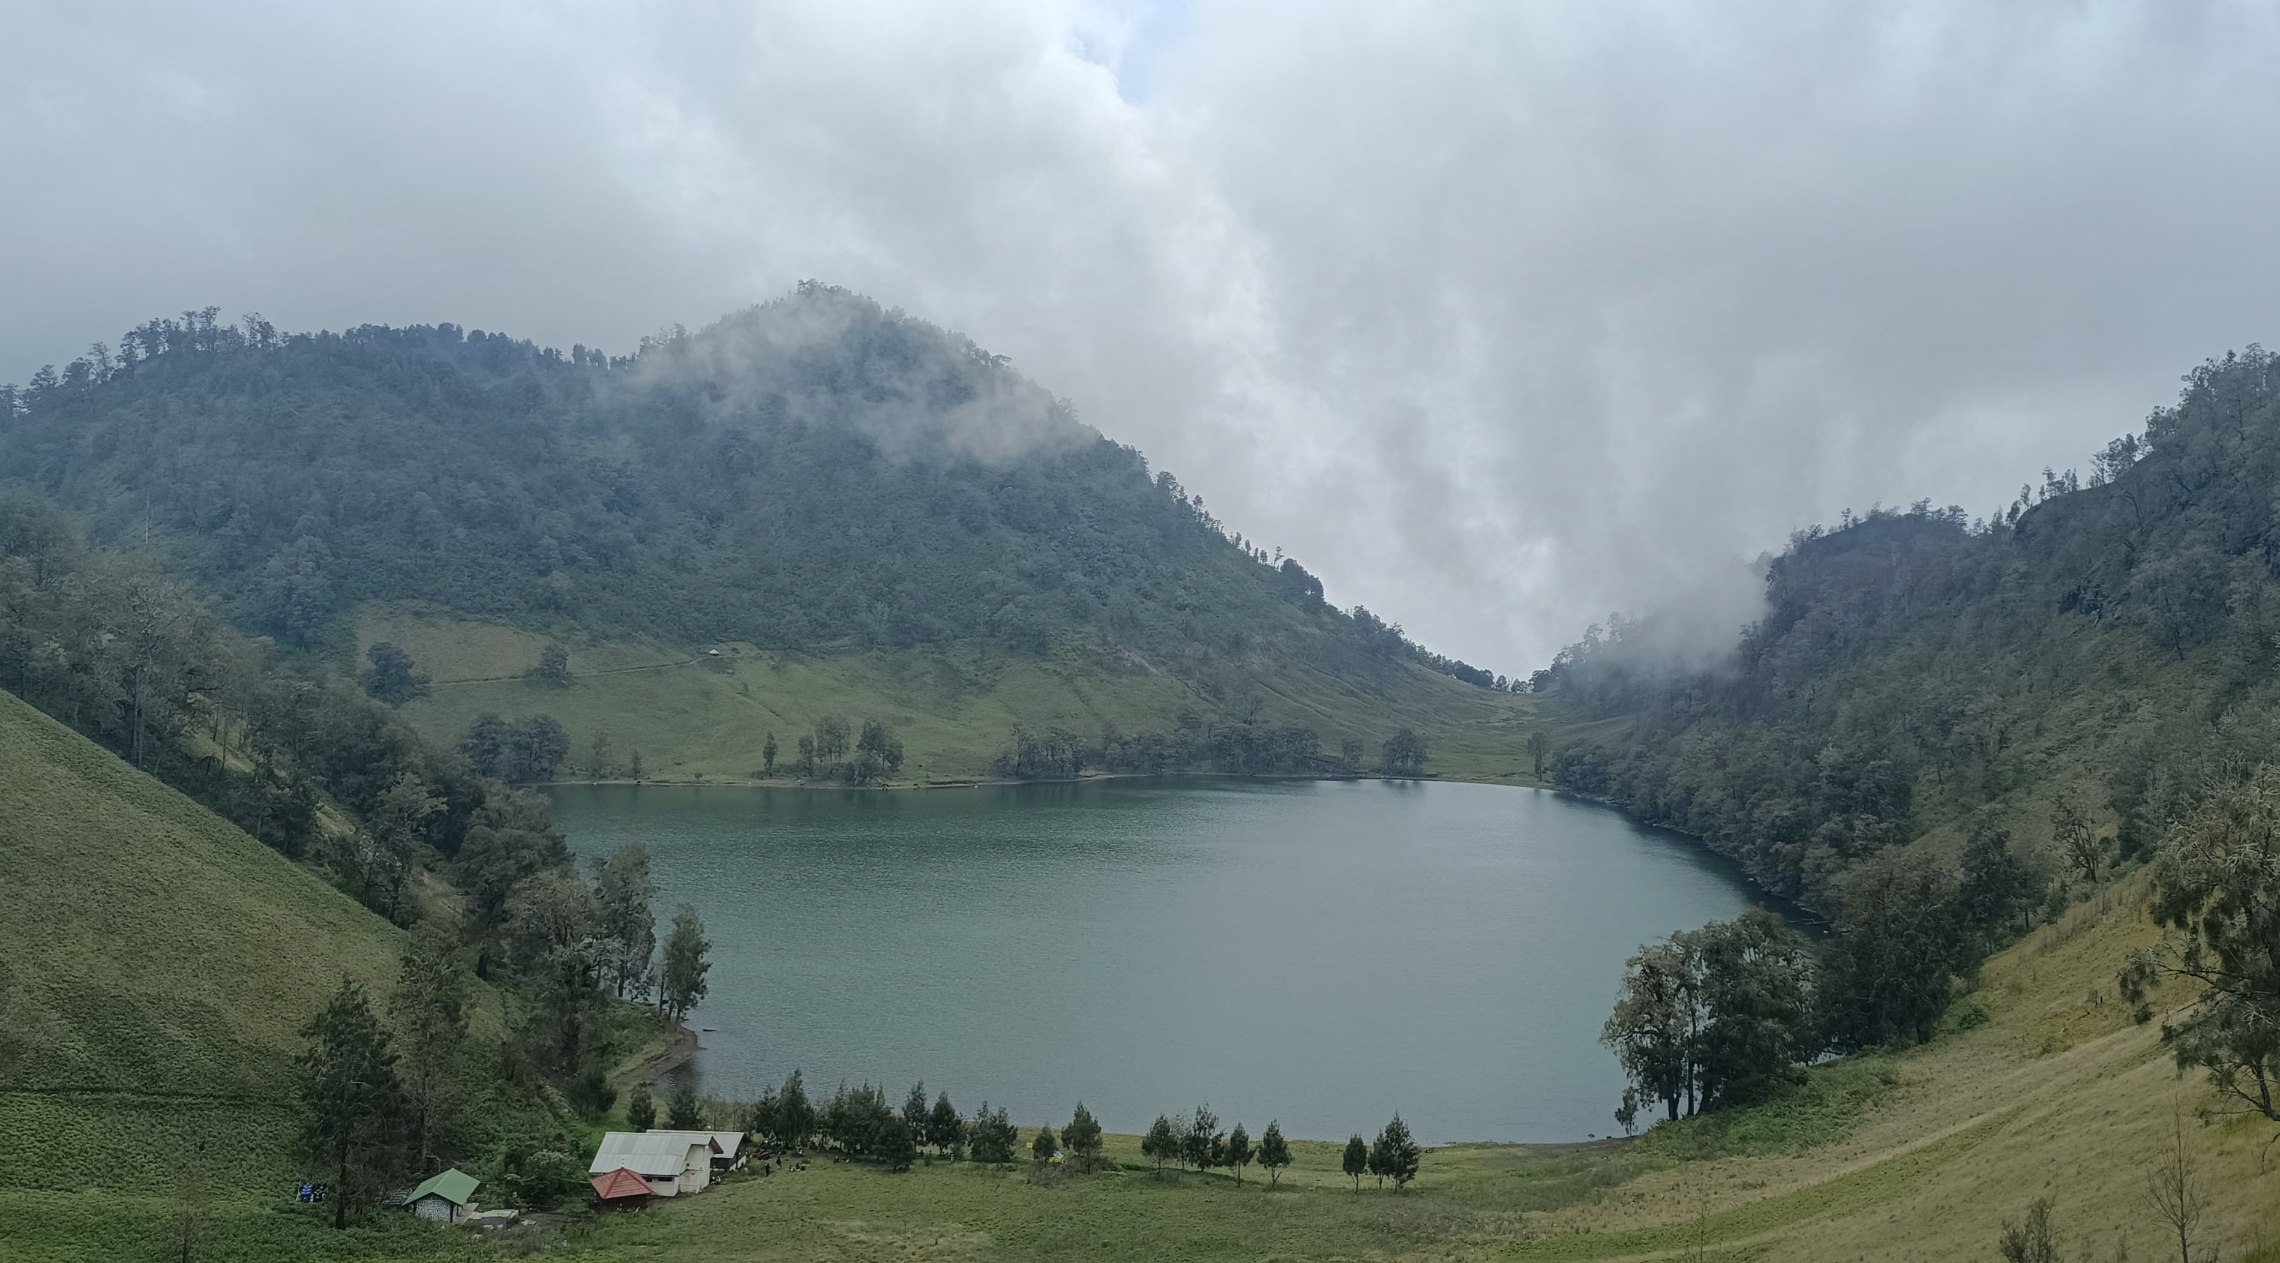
[[1498, 316]]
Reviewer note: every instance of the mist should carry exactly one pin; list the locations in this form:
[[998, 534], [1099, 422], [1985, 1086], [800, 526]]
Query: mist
[[1498, 317]]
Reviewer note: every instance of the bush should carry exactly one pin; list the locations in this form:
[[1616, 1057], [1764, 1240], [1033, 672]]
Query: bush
[[540, 1179]]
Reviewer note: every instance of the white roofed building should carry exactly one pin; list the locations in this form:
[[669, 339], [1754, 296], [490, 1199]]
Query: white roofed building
[[673, 1162], [728, 1146]]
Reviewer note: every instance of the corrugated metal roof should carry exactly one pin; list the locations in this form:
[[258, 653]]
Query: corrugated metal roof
[[623, 1182], [648, 1152], [728, 1142], [454, 1186]]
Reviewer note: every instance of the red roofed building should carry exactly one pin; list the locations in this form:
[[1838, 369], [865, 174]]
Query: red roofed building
[[622, 1189]]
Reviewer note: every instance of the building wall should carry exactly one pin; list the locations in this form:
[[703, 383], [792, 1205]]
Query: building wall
[[436, 1208]]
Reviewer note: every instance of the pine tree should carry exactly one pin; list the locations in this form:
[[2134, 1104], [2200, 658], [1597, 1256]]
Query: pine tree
[[685, 1113], [640, 1108], [1044, 1145], [795, 1116], [1357, 1160], [915, 1115], [1395, 1154], [430, 1011], [1274, 1151], [351, 1103], [898, 1144], [1082, 1137], [768, 755], [760, 1118], [1203, 1139], [623, 893], [1161, 1144], [945, 1129], [993, 1136], [1238, 1151], [683, 984]]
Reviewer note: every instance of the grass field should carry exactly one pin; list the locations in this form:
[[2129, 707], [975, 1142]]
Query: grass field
[[155, 963], [690, 714]]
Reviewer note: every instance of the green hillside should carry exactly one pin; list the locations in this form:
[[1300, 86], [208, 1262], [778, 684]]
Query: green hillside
[[688, 713], [156, 966], [150, 947], [818, 478], [2087, 663]]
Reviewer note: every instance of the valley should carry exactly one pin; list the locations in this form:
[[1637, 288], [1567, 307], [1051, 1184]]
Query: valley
[[293, 780]]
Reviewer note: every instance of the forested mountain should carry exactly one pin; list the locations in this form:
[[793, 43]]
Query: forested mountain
[[2079, 669], [816, 473]]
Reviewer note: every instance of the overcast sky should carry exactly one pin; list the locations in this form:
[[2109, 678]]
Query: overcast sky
[[1497, 315]]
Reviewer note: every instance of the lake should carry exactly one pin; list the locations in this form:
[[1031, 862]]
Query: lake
[[1320, 952]]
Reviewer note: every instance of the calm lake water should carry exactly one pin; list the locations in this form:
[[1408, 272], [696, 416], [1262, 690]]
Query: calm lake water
[[1319, 952]]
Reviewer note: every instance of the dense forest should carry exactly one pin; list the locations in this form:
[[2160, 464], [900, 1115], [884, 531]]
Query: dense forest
[[814, 473], [2078, 666], [1943, 730]]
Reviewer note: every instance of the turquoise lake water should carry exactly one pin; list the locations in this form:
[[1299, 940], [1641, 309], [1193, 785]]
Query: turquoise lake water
[[1319, 952]]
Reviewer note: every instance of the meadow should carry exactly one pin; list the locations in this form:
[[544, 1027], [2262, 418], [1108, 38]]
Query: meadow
[[694, 716]]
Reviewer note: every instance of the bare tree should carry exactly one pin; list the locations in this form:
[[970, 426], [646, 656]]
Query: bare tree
[[2032, 1241], [2077, 839], [2178, 1195]]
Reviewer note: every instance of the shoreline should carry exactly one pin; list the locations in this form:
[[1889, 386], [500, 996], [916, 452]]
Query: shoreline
[[658, 1060], [746, 782], [681, 1048]]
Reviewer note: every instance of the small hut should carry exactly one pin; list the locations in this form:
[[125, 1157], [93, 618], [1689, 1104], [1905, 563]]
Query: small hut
[[622, 1189], [445, 1198]]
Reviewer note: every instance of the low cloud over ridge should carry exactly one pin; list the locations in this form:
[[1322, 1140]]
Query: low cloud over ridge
[[1498, 316]]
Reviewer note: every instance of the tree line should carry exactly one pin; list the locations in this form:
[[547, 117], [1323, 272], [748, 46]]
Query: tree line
[[861, 1123], [1195, 744], [875, 756]]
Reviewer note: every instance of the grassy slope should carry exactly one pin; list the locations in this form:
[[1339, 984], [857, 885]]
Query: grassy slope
[[954, 709], [155, 967]]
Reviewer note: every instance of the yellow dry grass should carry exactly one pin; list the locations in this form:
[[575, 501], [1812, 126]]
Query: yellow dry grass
[[2060, 1095]]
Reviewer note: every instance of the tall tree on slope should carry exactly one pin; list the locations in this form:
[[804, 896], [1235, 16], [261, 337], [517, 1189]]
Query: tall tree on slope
[[683, 984], [352, 1106]]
